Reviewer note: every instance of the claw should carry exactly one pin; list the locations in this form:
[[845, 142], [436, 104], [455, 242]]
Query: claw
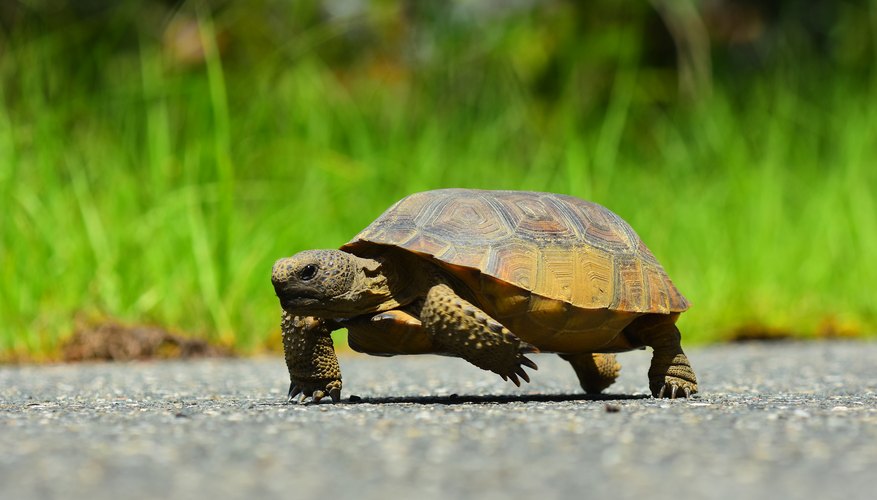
[[661, 392], [673, 389], [526, 362], [381, 317], [504, 378], [687, 391], [520, 371], [396, 317], [335, 394], [514, 379], [294, 391]]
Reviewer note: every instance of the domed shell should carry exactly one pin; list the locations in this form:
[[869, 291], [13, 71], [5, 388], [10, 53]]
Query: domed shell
[[556, 246]]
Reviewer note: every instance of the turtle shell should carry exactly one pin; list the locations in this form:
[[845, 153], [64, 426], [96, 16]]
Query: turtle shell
[[555, 246]]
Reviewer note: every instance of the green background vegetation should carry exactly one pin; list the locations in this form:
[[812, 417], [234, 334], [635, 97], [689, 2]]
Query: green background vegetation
[[156, 158]]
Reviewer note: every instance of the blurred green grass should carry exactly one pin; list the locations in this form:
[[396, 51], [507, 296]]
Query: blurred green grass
[[141, 188]]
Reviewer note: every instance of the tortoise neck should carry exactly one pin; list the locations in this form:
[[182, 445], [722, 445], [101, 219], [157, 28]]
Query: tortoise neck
[[398, 279], [371, 290]]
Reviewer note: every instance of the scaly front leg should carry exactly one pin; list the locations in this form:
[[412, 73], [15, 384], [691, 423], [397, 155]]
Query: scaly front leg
[[462, 329], [310, 357]]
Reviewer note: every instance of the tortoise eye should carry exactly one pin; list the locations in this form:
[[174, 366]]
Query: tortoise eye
[[308, 272]]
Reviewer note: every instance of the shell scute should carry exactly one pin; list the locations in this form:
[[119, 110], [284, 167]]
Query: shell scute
[[631, 295], [537, 218], [595, 273], [467, 219], [513, 261], [555, 273]]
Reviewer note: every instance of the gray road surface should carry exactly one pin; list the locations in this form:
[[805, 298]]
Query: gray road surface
[[774, 421]]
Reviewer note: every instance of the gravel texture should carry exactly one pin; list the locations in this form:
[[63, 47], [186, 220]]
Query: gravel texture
[[783, 420]]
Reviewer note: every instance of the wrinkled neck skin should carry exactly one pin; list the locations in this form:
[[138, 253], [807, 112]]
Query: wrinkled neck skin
[[384, 283], [371, 290]]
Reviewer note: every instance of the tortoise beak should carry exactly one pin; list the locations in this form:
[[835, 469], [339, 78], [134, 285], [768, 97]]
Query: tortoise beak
[[294, 298]]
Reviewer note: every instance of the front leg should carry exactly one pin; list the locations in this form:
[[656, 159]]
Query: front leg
[[464, 330], [310, 357]]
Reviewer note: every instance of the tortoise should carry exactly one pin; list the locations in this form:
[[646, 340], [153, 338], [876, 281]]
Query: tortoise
[[487, 276]]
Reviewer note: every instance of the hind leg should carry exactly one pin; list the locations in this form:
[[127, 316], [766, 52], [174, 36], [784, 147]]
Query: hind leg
[[595, 371], [670, 374]]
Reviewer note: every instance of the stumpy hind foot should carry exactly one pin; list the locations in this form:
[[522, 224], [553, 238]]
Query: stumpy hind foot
[[672, 377], [596, 372]]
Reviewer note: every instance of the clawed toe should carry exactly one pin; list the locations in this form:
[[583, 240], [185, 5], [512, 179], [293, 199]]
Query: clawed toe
[[313, 394], [671, 376], [311, 398], [517, 373], [672, 390], [335, 394], [294, 391], [521, 373]]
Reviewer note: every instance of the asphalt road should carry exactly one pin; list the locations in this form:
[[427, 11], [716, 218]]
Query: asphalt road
[[774, 421]]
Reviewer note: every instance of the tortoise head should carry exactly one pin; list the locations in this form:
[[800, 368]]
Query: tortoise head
[[329, 284]]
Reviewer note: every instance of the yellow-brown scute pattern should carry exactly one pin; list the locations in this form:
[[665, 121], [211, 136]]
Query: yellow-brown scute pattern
[[555, 246]]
